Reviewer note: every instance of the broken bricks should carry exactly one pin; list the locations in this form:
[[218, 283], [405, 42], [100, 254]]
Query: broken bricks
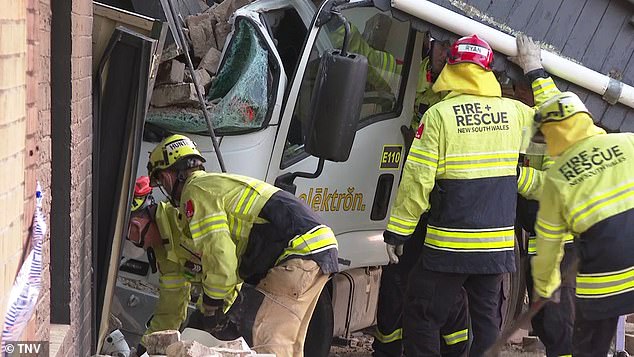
[[190, 349], [170, 72], [174, 94], [158, 342], [201, 33], [202, 76], [222, 31], [211, 61], [224, 10]]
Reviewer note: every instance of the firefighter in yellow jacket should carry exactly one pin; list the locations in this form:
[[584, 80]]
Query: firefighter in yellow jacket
[[553, 324], [466, 149], [245, 230], [589, 192], [454, 338], [155, 227]]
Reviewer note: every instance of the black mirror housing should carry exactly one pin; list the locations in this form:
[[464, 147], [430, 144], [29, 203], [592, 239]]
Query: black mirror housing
[[336, 105]]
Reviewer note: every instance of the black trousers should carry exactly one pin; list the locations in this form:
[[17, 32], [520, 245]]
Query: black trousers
[[388, 338], [553, 324], [592, 338], [430, 298]]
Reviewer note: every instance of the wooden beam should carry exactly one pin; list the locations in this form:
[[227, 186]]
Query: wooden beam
[[123, 16]]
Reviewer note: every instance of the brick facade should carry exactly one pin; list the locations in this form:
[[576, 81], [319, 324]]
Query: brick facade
[[81, 178], [13, 69], [25, 128]]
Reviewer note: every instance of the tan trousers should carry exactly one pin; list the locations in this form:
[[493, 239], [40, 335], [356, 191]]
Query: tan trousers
[[291, 291]]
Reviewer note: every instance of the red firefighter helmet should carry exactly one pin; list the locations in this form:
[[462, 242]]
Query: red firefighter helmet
[[471, 49], [142, 191]]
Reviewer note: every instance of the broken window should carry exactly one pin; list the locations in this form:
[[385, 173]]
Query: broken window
[[384, 41], [244, 83], [241, 94]]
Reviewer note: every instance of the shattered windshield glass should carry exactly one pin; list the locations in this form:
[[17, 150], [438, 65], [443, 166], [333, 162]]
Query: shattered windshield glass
[[242, 83], [238, 99]]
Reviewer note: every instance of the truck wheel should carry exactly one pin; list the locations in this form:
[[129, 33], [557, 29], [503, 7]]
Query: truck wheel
[[514, 288], [319, 335]]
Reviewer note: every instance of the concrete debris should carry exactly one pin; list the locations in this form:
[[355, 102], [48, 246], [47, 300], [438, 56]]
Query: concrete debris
[[201, 33], [169, 52], [203, 77], [211, 61], [158, 342], [170, 72], [174, 94], [207, 32], [225, 9], [189, 349], [222, 31], [169, 344], [135, 284]]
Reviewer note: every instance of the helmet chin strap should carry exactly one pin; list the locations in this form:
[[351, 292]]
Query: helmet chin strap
[[180, 180]]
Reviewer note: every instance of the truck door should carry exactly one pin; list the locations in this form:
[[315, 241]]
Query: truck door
[[354, 196]]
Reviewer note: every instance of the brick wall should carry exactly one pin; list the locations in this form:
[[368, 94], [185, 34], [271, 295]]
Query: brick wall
[[81, 177], [13, 66], [77, 341], [37, 155], [25, 126]]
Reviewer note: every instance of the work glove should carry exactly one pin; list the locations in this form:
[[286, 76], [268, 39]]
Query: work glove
[[393, 252], [554, 298], [528, 54]]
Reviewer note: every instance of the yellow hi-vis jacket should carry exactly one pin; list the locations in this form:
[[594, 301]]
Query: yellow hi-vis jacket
[[589, 192], [466, 150], [174, 280], [530, 183], [242, 227]]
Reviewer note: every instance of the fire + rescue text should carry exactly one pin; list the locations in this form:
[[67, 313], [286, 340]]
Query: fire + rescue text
[[589, 163], [470, 118]]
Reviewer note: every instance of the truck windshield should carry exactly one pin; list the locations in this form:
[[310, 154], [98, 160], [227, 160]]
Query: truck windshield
[[241, 93], [243, 85]]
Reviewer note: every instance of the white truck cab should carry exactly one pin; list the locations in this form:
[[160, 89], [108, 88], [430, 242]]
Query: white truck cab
[[264, 88]]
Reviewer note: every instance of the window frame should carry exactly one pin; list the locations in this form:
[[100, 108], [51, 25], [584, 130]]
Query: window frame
[[375, 118]]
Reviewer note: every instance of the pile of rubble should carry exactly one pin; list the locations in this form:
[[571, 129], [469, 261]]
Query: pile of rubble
[[174, 93], [168, 343]]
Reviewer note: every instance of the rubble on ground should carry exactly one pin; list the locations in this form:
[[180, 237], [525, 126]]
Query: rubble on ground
[[174, 91], [158, 342], [168, 343]]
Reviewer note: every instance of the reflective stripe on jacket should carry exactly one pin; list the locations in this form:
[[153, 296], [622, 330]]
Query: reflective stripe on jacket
[[467, 152], [242, 227], [589, 192]]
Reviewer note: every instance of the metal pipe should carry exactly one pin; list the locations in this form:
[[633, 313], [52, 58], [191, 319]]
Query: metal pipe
[[554, 64], [180, 37]]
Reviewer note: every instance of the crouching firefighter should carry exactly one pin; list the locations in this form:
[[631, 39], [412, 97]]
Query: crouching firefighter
[[155, 227], [589, 192], [245, 230]]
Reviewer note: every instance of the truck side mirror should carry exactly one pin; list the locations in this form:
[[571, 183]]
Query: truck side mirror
[[336, 105]]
